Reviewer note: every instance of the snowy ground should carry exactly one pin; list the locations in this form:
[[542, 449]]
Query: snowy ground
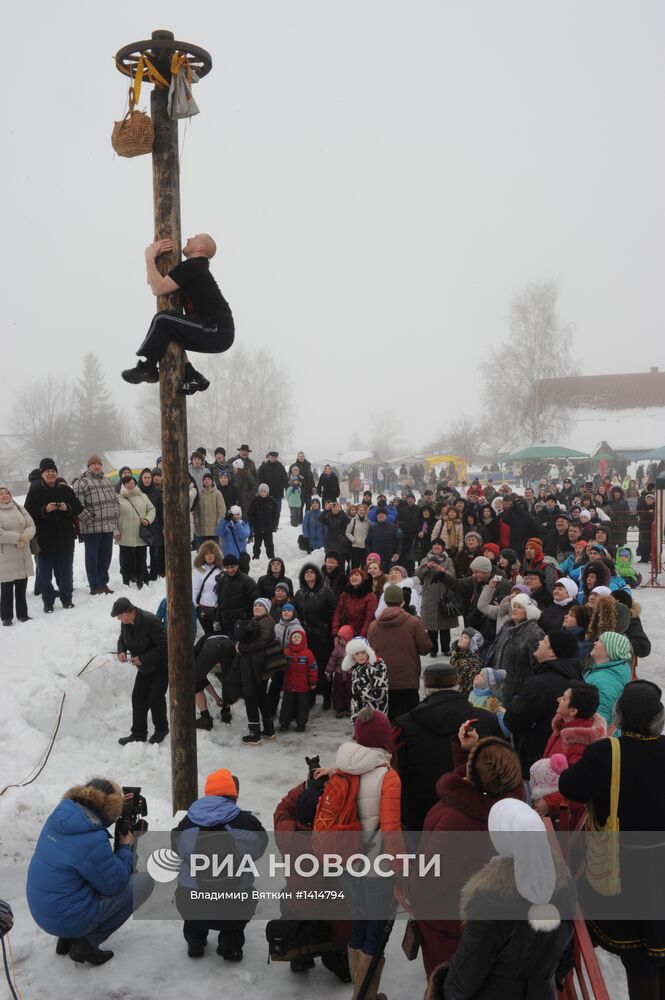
[[40, 660]]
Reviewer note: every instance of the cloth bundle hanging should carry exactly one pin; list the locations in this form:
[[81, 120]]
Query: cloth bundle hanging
[[181, 103]]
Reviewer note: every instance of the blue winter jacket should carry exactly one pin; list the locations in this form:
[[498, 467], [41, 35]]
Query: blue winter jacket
[[160, 613], [233, 536], [314, 532], [610, 678], [217, 812], [390, 511], [72, 868]]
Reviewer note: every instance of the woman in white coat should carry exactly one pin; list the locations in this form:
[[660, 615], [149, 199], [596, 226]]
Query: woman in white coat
[[135, 509], [16, 530]]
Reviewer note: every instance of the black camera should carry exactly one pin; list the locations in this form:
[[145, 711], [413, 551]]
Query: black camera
[[134, 808]]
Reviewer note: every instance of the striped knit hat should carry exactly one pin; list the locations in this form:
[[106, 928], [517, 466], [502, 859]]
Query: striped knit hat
[[617, 646]]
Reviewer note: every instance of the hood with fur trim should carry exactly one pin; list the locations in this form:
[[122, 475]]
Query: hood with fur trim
[[492, 894], [301, 576], [206, 547], [585, 731], [603, 574], [107, 805], [357, 646]]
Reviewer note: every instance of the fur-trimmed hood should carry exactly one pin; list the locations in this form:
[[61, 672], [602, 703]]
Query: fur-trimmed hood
[[603, 574], [492, 894], [206, 547], [357, 646], [585, 731], [301, 576], [108, 806]]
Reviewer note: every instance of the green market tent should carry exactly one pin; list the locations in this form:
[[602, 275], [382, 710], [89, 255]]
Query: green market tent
[[537, 452], [653, 456]]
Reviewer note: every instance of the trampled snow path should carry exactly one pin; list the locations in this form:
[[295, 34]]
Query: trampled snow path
[[39, 661]]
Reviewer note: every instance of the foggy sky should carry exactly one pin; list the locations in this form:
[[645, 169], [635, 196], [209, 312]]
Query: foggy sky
[[381, 178]]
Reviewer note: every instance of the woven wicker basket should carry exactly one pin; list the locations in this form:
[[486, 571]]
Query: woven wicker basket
[[134, 135]]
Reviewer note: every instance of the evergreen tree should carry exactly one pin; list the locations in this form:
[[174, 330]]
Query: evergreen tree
[[94, 423]]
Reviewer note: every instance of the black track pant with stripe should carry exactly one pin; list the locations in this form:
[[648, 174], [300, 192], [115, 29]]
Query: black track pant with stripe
[[190, 332]]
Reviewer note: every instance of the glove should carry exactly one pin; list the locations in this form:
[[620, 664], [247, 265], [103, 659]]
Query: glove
[[24, 538]]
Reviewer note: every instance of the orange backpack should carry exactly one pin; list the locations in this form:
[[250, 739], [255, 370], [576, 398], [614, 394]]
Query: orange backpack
[[337, 813]]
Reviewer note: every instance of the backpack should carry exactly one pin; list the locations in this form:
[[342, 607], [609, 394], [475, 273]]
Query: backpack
[[336, 817]]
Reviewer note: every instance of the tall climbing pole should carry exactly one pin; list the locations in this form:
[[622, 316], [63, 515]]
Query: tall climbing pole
[[152, 59]]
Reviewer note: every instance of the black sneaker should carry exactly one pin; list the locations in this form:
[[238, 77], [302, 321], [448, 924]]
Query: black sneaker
[[82, 951], [124, 740], [143, 372], [253, 739], [63, 946], [158, 737], [193, 381], [204, 722]]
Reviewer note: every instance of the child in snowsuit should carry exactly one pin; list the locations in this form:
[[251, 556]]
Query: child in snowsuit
[[624, 566], [340, 680], [300, 677], [287, 624], [487, 690], [369, 677], [465, 657], [293, 496]]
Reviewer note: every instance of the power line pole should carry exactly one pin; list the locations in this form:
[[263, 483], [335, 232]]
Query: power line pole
[[173, 408]]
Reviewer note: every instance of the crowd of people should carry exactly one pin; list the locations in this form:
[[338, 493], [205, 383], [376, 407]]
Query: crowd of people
[[509, 719]]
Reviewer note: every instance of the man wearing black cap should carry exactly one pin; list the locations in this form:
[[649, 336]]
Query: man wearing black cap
[[244, 451], [275, 475], [53, 507], [530, 713], [556, 542], [423, 743], [236, 593], [142, 643]]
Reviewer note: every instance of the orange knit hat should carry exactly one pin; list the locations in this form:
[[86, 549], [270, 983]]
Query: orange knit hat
[[221, 783], [534, 543]]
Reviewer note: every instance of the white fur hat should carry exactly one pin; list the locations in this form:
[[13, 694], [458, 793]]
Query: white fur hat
[[532, 609], [357, 645]]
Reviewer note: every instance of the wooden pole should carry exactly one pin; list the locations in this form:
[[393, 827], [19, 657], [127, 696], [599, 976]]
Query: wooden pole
[[175, 457]]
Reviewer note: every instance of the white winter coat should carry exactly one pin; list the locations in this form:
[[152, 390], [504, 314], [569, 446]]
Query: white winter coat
[[15, 562]]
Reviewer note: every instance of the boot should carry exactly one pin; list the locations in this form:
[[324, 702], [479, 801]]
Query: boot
[[353, 955], [124, 740], [204, 721], [143, 372], [158, 736], [82, 951], [253, 738], [337, 963], [268, 731], [364, 962], [63, 946]]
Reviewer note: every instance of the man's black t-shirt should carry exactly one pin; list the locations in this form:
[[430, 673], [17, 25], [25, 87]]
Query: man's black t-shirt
[[200, 292]]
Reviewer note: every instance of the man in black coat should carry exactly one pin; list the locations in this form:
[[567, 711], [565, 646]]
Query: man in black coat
[[274, 474], [530, 713], [408, 521], [522, 525], [236, 593], [142, 643], [315, 603], [556, 542], [385, 539], [53, 506], [469, 588], [423, 742]]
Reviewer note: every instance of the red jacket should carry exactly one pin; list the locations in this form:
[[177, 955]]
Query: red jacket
[[461, 807], [571, 739], [301, 673], [355, 607], [504, 534]]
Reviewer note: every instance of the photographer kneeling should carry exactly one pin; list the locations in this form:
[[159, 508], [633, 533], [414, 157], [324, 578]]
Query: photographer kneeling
[[79, 889]]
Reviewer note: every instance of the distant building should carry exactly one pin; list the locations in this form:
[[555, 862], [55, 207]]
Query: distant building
[[627, 410]]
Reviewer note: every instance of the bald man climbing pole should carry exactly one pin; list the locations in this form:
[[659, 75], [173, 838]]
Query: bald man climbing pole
[[207, 326]]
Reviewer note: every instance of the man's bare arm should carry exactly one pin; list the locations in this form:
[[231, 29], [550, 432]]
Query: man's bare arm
[[160, 284]]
